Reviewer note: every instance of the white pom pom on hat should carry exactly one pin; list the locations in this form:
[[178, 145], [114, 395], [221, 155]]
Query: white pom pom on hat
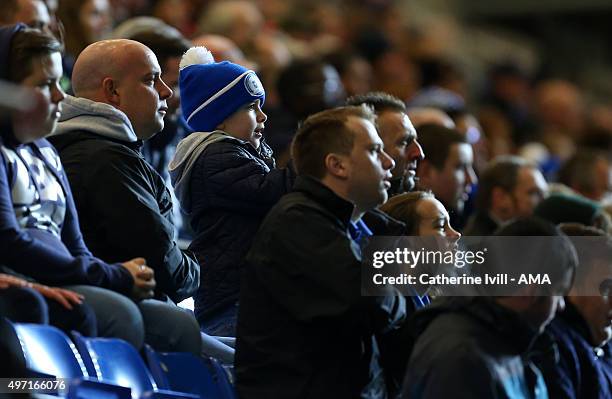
[[196, 56]]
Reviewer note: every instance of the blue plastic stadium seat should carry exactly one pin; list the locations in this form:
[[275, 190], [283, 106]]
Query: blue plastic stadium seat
[[117, 362], [185, 372], [48, 352]]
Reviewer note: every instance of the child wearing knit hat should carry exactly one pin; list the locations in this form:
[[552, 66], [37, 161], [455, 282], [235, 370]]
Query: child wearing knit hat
[[224, 177]]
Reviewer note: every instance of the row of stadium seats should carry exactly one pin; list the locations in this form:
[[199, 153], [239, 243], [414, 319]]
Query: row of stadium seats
[[112, 368]]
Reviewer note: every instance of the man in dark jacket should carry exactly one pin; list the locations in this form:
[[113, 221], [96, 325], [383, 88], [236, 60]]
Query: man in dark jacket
[[304, 330], [479, 347], [123, 204]]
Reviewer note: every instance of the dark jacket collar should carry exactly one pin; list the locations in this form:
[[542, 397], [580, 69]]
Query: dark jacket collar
[[320, 193]]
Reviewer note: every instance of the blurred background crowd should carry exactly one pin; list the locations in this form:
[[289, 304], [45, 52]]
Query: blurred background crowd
[[521, 78], [507, 103]]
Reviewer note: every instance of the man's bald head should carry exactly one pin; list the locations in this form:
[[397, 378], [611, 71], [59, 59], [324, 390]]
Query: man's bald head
[[104, 59], [126, 75]]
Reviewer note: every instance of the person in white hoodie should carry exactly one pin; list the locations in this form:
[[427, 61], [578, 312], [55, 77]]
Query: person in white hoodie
[[224, 177]]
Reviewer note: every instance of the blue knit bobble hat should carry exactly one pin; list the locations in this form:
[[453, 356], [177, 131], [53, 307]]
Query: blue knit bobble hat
[[212, 91]]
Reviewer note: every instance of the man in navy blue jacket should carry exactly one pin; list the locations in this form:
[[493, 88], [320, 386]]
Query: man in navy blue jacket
[[583, 330]]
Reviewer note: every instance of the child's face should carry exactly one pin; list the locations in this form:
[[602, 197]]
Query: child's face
[[247, 123]]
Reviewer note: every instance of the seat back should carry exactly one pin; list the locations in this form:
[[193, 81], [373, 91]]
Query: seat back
[[48, 350], [185, 372], [115, 361]]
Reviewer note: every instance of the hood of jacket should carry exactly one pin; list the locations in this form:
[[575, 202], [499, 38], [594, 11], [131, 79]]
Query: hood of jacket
[[187, 153], [81, 114], [519, 335], [6, 37]]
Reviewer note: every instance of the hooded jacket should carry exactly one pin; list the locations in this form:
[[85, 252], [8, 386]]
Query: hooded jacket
[[39, 229], [580, 371], [470, 347], [227, 187], [124, 205]]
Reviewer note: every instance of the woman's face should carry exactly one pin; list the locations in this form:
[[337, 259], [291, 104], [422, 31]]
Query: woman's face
[[44, 79], [434, 219], [95, 19], [435, 230]]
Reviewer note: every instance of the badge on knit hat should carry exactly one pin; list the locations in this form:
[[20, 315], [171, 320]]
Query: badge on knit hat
[[212, 91], [253, 85]]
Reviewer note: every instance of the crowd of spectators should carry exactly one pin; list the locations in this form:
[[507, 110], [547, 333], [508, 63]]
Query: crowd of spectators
[[245, 153]]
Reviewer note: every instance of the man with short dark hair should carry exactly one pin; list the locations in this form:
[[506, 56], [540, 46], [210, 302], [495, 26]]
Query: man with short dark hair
[[509, 188], [398, 135], [447, 170], [304, 330]]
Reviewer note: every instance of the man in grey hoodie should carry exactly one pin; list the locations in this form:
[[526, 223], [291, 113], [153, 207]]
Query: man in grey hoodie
[[123, 204]]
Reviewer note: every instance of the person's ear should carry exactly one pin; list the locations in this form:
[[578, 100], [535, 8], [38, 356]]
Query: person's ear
[[336, 165], [111, 94]]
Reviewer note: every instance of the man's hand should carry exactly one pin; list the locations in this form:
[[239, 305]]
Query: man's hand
[[144, 283]]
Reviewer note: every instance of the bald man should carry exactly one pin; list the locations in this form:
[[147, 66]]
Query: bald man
[[123, 204]]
